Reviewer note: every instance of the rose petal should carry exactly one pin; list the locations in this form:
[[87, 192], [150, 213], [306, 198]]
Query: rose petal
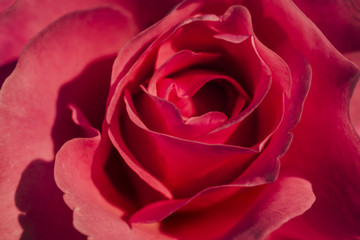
[[269, 112], [248, 214], [332, 166], [79, 119], [20, 22], [148, 12], [268, 172], [206, 168], [5, 4], [6, 70], [73, 164], [128, 59], [180, 60], [337, 19], [162, 116], [33, 17], [129, 54], [246, 48], [229, 95], [281, 201], [329, 159], [28, 110], [355, 99], [355, 108], [256, 82], [307, 38]]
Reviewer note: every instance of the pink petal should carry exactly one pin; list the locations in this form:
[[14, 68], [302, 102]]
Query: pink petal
[[263, 170], [300, 32], [28, 108], [248, 214], [237, 16], [355, 108], [195, 92], [132, 159], [32, 17], [162, 116], [268, 169], [92, 213], [148, 12], [279, 202], [179, 61], [203, 164], [5, 4], [325, 148], [266, 106], [330, 161], [355, 99], [20, 22], [129, 54], [337, 19], [268, 161], [257, 82]]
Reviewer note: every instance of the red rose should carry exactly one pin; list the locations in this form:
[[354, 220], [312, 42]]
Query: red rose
[[222, 120]]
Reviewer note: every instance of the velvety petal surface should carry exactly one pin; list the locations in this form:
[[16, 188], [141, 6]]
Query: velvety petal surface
[[325, 148], [30, 128], [355, 108], [338, 20], [199, 162], [6, 4], [250, 213], [93, 215], [355, 98], [20, 21]]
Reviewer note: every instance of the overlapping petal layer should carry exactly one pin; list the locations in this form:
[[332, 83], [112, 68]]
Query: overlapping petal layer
[[200, 109], [327, 157], [35, 120], [152, 107]]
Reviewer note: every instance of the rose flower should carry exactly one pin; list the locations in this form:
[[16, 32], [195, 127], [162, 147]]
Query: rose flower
[[216, 119]]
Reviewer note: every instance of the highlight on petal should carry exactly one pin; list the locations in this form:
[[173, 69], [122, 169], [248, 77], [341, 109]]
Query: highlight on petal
[[33, 16], [73, 164], [279, 202], [6, 4], [331, 165], [246, 213], [355, 108], [28, 106]]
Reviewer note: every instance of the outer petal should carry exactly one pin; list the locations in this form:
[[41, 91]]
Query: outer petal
[[24, 19], [250, 214], [28, 108], [332, 165], [355, 99], [279, 202], [325, 149], [93, 215], [5, 4], [355, 109], [20, 20], [339, 20]]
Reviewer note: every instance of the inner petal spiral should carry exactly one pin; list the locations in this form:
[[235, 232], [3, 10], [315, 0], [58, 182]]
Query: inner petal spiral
[[197, 92]]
